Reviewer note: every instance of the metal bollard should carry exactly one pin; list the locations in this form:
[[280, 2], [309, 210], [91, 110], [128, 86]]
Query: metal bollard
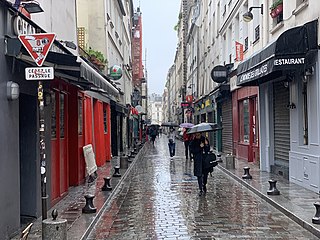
[[230, 164], [89, 208], [124, 162], [107, 185], [273, 189], [219, 159], [246, 173], [54, 228], [116, 172], [316, 218]]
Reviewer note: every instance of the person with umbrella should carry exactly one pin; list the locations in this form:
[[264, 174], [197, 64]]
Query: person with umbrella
[[186, 141], [186, 138], [200, 146]]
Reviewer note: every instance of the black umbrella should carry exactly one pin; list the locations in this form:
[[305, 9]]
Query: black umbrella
[[169, 124], [204, 127], [154, 125]]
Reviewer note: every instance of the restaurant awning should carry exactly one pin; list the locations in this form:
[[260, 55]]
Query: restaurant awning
[[292, 51]]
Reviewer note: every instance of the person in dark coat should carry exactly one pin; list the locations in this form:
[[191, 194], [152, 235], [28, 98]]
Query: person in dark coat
[[186, 141], [200, 146]]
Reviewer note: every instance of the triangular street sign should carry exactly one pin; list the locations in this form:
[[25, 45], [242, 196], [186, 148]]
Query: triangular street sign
[[37, 45]]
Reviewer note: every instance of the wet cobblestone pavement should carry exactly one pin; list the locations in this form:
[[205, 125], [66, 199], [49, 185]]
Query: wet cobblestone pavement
[[159, 200]]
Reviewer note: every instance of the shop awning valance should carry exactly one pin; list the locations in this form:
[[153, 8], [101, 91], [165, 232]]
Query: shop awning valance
[[67, 66], [289, 52]]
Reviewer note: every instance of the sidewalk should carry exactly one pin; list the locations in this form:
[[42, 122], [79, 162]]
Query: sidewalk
[[70, 207], [294, 201]]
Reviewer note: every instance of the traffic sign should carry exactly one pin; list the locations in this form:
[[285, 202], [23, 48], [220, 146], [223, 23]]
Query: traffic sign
[[37, 45], [39, 73]]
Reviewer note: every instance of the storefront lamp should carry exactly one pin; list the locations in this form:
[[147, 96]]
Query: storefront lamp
[[32, 7], [248, 16], [12, 90]]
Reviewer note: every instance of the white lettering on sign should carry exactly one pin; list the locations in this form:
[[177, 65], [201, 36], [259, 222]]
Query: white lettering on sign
[[289, 61], [39, 73], [20, 26], [254, 73]]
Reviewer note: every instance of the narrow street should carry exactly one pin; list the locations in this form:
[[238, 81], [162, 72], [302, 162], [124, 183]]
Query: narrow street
[[159, 200]]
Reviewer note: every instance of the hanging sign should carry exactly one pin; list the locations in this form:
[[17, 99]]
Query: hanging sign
[[219, 74], [37, 45], [239, 52], [115, 72]]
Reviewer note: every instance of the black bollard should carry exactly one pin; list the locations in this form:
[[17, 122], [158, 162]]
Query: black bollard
[[116, 172], [273, 189], [89, 208], [107, 185], [316, 218], [246, 173]]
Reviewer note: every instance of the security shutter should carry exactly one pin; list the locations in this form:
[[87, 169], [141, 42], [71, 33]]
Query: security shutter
[[227, 126], [281, 122]]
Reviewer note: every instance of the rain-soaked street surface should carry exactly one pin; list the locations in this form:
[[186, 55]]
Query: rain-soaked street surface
[[159, 200]]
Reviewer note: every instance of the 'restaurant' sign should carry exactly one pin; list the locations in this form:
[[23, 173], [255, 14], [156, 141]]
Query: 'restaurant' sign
[[39, 73], [270, 66]]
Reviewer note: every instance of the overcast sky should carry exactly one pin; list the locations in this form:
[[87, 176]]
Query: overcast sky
[[159, 39]]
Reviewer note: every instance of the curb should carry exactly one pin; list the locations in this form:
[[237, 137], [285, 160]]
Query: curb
[[306, 225], [111, 196]]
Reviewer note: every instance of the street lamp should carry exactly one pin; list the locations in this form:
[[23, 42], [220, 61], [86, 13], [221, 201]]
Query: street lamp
[[29, 6], [248, 16]]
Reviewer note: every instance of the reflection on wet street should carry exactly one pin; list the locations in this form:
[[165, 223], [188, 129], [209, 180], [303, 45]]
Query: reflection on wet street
[[159, 200]]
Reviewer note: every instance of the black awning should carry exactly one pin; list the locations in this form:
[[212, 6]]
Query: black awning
[[289, 52], [67, 66]]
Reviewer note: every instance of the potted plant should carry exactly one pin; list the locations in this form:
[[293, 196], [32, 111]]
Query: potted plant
[[276, 8], [97, 58]]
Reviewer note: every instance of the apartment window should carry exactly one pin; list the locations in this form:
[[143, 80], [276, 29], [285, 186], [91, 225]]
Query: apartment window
[[81, 37], [257, 33], [246, 44]]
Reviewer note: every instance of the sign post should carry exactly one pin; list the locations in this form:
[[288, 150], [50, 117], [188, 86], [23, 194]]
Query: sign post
[[38, 46]]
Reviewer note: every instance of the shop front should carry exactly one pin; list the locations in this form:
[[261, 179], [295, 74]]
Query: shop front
[[286, 75]]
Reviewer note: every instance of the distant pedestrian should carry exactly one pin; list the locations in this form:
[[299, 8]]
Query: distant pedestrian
[[186, 141], [171, 143], [153, 134], [199, 146]]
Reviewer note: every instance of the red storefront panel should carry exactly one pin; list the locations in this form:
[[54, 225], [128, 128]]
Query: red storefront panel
[[107, 132], [59, 141]]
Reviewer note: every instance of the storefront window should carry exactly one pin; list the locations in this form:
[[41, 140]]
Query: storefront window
[[61, 115], [244, 121], [305, 114], [53, 116], [105, 126], [80, 115], [255, 121]]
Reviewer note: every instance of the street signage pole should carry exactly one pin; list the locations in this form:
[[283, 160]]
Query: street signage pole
[[38, 46]]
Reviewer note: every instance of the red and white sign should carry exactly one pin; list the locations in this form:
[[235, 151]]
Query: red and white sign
[[189, 98], [239, 52], [37, 45]]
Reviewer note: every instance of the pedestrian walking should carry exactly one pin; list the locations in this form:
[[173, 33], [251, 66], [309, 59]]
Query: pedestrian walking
[[153, 134], [171, 143], [199, 146], [186, 140]]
